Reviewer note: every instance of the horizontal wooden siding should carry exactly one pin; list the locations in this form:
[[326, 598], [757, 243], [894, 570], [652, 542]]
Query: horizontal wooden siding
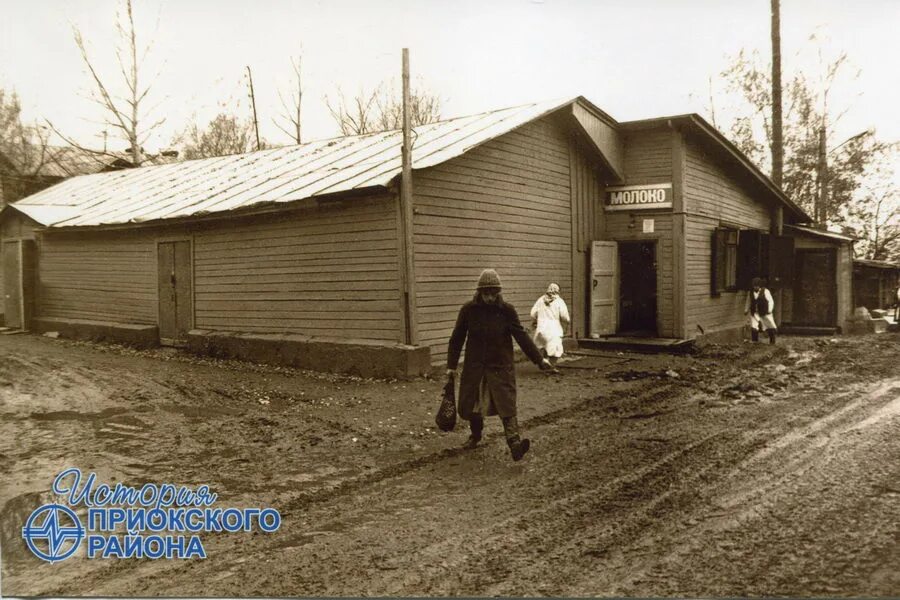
[[505, 205], [103, 276], [330, 271], [712, 199]]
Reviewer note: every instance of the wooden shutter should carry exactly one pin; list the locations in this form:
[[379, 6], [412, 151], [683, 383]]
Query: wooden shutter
[[717, 262]]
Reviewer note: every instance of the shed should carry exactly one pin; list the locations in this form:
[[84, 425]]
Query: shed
[[875, 283]]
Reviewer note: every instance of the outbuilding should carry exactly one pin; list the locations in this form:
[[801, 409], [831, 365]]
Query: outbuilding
[[651, 228], [875, 283]]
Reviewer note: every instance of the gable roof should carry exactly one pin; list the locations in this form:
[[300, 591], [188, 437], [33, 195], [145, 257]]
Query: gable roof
[[280, 175], [697, 124]]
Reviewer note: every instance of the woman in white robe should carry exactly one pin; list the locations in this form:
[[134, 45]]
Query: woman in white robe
[[552, 316]]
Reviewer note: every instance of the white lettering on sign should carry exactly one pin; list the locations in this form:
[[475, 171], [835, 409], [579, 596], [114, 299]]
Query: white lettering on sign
[[639, 196]]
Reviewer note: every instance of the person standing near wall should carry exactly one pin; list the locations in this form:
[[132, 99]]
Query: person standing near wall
[[552, 317], [487, 326], [760, 306]]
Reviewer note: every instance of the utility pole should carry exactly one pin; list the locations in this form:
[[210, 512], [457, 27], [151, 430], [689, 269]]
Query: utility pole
[[777, 139], [406, 213], [821, 215], [253, 102]]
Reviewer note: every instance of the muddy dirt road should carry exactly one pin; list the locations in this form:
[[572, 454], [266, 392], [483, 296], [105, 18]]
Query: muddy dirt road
[[743, 470]]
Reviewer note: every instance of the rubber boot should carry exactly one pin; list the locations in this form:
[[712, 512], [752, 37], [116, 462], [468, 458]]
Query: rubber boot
[[771, 336], [476, 426], [517, 446], [754, 334]]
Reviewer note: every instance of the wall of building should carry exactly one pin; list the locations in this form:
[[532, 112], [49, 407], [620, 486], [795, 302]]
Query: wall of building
[[587, 225], [331, 271], [100, 276], [648, 160], [712, 199], [505, 205]]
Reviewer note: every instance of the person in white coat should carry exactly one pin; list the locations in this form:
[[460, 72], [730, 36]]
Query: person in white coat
[[552, 316], [760, 306]]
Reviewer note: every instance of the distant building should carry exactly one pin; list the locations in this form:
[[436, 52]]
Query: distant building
[[875, 283]]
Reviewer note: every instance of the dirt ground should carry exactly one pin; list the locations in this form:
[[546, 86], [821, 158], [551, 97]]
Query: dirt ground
[[742, 470]]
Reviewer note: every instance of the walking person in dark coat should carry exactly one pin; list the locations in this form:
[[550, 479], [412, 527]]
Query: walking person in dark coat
[[487, 387]]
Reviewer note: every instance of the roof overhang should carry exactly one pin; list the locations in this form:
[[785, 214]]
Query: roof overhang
[[876, 264], [829, 235]]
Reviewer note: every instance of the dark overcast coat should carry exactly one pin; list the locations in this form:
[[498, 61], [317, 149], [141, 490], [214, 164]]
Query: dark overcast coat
[[488, 330]]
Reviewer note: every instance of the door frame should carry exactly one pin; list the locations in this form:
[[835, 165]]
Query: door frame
[[654, 241], [833, 287], [8, 243], [168, 240], [25, 316]]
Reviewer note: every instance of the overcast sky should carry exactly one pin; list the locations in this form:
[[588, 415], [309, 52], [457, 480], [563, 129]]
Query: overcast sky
[[633, 58]]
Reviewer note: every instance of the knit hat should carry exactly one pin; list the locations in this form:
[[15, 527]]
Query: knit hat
[[552, 289], [489, 279]]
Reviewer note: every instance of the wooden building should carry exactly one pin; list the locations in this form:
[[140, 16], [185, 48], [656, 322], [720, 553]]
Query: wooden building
[[875, 283], [651, 228]]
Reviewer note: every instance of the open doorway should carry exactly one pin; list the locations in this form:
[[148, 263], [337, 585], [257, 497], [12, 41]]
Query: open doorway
[[637, 289]]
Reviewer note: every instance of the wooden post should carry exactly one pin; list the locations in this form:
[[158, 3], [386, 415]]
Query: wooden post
[[777, 138], [253, 102], [822, 168], [679, 237], [406, 213]]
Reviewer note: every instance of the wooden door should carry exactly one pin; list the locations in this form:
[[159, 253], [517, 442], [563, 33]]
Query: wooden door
[[175, 289], [604, 288], [815, 289], [12, 285]]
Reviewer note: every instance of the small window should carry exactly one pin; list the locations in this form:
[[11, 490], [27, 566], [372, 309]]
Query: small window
[[724, 264]]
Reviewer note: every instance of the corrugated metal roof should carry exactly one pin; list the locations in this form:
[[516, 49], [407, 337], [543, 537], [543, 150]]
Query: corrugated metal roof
[[214, 185]]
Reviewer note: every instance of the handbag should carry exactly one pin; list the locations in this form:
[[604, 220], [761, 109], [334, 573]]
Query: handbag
[[445, 418]]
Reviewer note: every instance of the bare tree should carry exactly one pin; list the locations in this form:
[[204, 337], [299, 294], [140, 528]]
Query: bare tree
[[355, 116], [126, 114], [382, 109], [289, 120], [25, 146], [225, 134]]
